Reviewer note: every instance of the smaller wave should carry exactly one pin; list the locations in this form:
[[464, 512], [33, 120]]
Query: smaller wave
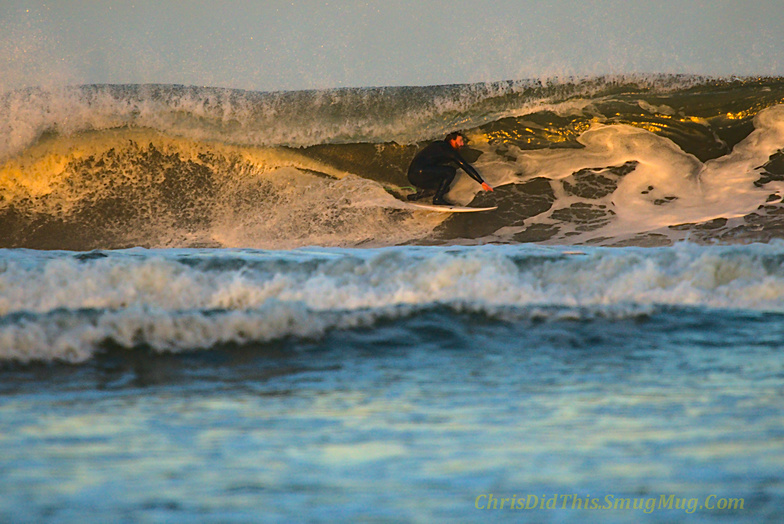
[[56, 306], [75, 336]]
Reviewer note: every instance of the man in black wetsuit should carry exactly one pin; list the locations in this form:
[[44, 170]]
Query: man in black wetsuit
[[434, 167]]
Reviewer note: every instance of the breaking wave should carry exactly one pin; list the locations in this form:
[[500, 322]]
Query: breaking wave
[[640, 160]]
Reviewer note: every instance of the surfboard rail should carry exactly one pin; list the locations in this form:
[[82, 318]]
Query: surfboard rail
[[448, 209]]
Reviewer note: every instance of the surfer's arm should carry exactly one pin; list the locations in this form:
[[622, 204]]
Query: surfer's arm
[[473, 173]]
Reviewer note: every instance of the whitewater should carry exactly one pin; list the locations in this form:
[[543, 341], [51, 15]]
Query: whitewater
[[216, 306]]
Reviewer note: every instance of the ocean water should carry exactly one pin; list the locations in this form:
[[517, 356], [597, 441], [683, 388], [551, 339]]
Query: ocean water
[[214, 305]]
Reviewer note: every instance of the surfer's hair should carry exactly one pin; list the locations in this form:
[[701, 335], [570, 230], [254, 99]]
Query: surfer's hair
[[454, 134]]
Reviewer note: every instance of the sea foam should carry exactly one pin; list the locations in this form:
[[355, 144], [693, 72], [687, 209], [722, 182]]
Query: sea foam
[[56, 306]]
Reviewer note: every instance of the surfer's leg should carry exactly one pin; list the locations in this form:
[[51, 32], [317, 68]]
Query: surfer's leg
[[437, 178], [426, 181], [428, 178], [448, 174], [422, 193]]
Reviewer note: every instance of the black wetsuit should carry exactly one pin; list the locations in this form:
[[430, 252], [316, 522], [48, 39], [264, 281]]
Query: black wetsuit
[[434, 168]]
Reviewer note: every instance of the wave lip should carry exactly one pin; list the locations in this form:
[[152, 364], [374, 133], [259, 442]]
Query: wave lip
[[358, 115], [59, 307]]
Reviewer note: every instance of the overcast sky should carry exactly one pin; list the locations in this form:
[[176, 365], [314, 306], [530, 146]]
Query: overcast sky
[[273, 45]]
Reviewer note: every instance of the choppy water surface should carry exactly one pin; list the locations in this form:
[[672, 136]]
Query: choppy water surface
[[389, 409]]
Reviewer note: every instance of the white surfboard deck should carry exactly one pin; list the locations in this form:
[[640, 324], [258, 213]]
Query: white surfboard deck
[[448, 209]]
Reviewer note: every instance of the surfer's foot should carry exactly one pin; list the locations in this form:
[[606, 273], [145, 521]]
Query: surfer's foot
[[443, 188], [422, 193]]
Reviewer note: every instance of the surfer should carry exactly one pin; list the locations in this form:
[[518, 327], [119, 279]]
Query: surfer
[[434, 168]]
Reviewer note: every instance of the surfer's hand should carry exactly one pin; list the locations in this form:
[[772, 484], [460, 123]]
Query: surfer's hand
[[486, 186]]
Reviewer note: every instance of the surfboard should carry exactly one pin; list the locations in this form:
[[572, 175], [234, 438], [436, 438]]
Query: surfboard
[[449, 209]]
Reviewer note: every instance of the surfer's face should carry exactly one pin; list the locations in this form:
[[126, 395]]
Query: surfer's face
[[457, 142]]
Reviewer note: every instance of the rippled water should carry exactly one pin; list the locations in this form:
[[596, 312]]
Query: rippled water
[[413, 419]]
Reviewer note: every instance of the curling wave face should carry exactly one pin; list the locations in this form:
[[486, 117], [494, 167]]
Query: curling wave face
[[645, 160]]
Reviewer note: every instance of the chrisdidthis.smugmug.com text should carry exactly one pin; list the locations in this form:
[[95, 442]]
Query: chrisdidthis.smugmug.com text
[[609, 502]]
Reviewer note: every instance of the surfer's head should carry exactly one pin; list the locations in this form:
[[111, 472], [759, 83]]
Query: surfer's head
[[456, 139]]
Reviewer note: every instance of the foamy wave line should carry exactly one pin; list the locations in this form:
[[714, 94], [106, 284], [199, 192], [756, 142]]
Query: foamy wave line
[[76, 336], [745, 277], [54, 306]]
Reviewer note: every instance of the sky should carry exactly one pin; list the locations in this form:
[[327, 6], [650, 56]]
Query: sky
[[277, 45]]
